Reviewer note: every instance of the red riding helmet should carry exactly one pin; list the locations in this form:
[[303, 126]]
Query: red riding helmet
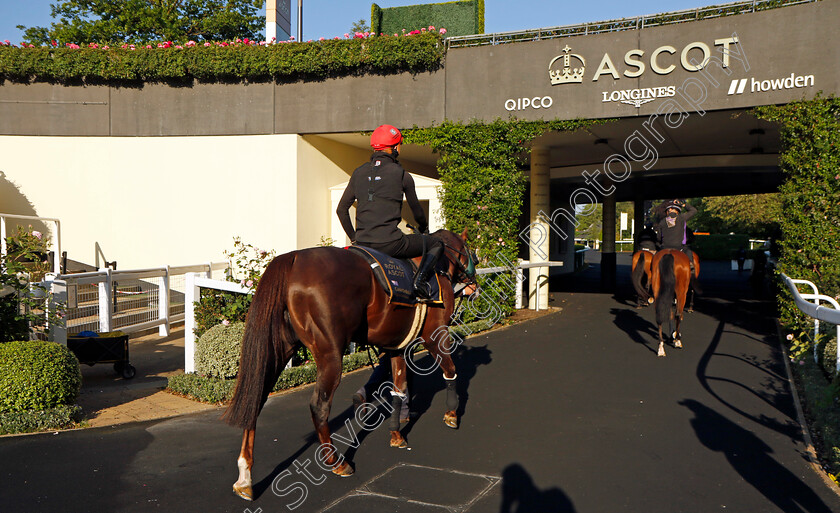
[[385, 136]]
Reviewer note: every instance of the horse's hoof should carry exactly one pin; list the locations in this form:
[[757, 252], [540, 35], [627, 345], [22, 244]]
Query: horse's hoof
[[650, 300], [678, 344], [343, 470], [450, 418], [660, 353], [397, 440], [243, 491]]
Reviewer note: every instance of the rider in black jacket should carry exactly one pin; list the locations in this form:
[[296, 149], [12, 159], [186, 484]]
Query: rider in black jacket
[[378, 187], [672, 228]]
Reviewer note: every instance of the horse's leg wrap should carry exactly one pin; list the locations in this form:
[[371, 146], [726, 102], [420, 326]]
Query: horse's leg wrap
[[397, 399], [451, 394]]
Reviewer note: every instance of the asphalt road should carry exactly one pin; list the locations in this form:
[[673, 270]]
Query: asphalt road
[[572, 412]]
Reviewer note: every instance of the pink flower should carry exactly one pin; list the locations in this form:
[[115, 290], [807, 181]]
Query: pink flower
[[431, 27], [249, 283], [320, 39], [801, 362], [442, 31], [208, 43], [789, 336], [347, 35], [225, 322], [37, 234], [106, 47]]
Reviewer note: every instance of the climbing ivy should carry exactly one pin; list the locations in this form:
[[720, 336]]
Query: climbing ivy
[[483, 167], [810, 218]]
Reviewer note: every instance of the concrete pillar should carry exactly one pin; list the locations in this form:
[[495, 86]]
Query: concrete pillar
[[638, 219], [278, 20], [539, 245], [608, 246]]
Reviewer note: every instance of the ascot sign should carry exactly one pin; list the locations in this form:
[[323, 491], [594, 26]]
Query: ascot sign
[[571, 68]]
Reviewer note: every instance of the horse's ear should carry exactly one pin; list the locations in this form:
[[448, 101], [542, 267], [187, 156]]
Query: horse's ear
[[464, 235]]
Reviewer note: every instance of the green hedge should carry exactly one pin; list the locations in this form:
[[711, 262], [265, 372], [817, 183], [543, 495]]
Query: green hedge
[[215, 390], [285, 61], [31, 421], [217, 351], [481, 167], [459, 18], [37, 375], [810, 220]]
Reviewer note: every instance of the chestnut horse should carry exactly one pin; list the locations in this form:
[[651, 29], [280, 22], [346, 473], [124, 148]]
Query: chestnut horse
[[323, 298], [671, 279], [641, 267]]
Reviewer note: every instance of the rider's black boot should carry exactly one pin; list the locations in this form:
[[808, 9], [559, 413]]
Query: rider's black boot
[[424, 271]]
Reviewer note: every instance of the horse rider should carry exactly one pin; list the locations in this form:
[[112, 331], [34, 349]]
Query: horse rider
[[672, 228], [378, 187]]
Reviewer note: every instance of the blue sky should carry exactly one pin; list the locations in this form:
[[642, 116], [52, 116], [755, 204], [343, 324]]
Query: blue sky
[[330, 18]]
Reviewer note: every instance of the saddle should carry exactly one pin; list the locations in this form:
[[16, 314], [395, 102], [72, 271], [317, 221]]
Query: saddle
[[396, 276]]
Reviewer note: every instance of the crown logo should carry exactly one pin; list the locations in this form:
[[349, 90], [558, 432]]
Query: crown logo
[[567, 74]]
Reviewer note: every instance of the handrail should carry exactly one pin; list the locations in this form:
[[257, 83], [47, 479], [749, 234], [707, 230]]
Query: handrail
[[635, 23], [814, 310]]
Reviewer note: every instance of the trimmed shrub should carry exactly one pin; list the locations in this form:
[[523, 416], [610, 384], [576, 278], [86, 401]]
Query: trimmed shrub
[[217, 390], [37, 375], [459, 18], [31, 421], [217, 351]]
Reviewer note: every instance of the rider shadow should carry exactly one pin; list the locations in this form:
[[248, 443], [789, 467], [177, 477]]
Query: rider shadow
[[750, 457], [639, 329], [424, 388], [520, 494]]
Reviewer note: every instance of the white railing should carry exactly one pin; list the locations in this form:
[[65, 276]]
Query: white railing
[[815, 310], [129, 301], [194, 284], [635, 23], [55, 240]]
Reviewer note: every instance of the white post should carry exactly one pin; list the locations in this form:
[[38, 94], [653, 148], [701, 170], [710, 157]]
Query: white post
[[191, 295], [2, 236], [519, 278], [58, 303], [105, 298], [163, 305]]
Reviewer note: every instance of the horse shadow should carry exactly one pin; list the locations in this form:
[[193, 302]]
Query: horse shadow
[[521, 495], [337, 422], [423, 388], [750, 457], [638, 328]]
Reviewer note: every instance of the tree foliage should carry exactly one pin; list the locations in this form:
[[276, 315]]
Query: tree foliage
[[757, 215], [142, 21]]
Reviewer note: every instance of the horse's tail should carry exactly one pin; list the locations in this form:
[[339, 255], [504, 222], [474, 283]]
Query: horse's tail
[[638, 273], [267, 345], [667, 289]]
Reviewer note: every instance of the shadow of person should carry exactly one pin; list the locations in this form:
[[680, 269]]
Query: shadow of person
[[520, 495], [750, 457], [423, 388]]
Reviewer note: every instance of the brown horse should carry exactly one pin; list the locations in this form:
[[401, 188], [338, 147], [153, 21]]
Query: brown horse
[[323, 298], [670, 280], [641, 268]]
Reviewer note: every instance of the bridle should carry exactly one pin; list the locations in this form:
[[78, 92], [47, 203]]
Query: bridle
[[464, 275]]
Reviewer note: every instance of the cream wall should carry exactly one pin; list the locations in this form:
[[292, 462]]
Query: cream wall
[[154, 201], [322, 164]]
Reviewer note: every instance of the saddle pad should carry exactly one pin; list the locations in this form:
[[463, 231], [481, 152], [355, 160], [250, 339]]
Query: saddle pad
[[395, 276]]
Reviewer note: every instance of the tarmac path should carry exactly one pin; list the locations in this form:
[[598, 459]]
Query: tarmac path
[[571, 412]]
